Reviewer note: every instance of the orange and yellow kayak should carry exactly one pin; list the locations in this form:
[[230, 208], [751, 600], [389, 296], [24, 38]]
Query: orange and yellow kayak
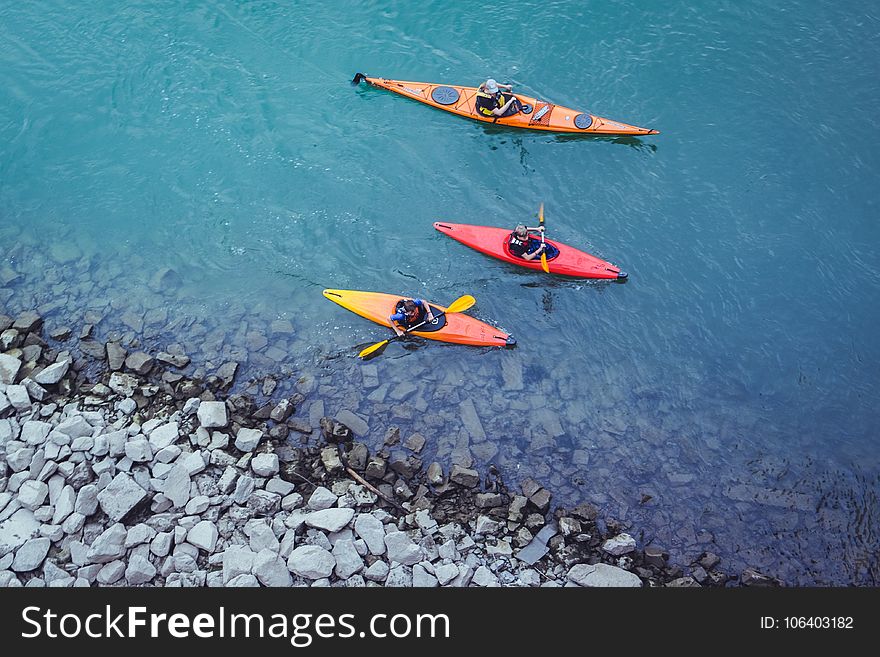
[[544, 115], [454, 327]]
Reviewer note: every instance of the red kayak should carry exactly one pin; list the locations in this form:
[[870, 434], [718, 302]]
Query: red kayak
[[493, 242]]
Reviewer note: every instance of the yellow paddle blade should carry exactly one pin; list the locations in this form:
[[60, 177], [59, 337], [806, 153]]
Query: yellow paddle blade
[[461, 304], [541, 213], [544, 264], [372, 348]]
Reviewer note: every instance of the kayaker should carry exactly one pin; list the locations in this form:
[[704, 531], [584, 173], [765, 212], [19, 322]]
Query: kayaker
[[528, 247], [408, 313], [492, 103]]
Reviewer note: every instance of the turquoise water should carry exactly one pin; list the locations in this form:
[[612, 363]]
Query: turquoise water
[[733, 378]]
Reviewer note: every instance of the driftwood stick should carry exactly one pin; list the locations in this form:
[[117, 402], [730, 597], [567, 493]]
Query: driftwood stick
[[363, 482]]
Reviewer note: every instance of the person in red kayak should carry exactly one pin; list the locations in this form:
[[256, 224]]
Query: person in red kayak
[[409, 313], [492, 103], [527, 246]]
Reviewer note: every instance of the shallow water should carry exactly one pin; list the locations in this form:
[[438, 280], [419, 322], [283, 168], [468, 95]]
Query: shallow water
[[733, 378]]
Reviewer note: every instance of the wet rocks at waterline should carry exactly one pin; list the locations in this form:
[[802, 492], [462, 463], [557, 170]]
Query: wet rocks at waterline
[[132, 480]]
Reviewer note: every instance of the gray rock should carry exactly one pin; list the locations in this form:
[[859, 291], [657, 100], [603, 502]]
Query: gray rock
[[265, 465], [471, 420], [602, 575], [18, 397], [330, 520], [32, 494], [75, 427], [139, 451], [435, 474], [9, 367], [485, 577], [226, 373], [372, 531], [123, 384], [348, 561], [140, 363], [177, 485], [115, 356], [86, 500], [486, 525], [197, 505], [109, 545], [139, 570], [247, 439], [244, 488], [27, 321], [378, 572], [52, 374], [139, 534], [30, 555], [445, 573], [421, 578], [237, 560], [161, 545], [164, 436], [35, 433], [399, 577], [311, 562], [354, 422], [401, 549], [243, 581], [464, 476], [204, 536], [321, 498], [64, 505], [178, 361], [121, 496], [270, 569], [619, 545], [212, 414], [111, 573], [260, 535]]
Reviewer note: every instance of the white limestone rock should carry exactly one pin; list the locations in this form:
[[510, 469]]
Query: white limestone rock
[[602, 575], [121, 496], [330, 520], [212, 414], [311, 562]]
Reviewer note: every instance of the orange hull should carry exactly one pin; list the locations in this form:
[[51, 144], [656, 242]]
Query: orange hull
[[458, 328], [544, 115]]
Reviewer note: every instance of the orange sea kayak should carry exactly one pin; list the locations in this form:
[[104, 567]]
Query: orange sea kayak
[[454, 327], [543, 115]]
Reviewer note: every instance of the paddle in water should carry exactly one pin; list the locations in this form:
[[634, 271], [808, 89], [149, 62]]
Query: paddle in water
[[544, 264], [459, 305]]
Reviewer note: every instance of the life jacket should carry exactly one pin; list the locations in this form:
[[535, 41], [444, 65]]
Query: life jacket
[[519, 246], [410, 317], [494, 101]]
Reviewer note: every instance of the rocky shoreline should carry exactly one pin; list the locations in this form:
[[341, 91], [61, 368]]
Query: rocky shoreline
[[135, 475]]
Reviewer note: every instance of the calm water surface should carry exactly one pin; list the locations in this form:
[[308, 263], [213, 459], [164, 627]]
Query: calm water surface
[[733, 379]]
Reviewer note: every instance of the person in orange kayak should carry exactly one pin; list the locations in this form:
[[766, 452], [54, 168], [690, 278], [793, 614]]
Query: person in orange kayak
[[409, 313], [528, 247], [491, 102]]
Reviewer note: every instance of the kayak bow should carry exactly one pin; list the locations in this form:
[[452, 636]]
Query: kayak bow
[[543, 115]]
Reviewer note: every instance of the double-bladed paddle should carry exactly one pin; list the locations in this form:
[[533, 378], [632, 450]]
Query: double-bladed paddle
[[544, 264], [459, 305]]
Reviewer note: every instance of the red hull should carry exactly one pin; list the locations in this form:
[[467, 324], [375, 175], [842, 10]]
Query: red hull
[[493, 242]]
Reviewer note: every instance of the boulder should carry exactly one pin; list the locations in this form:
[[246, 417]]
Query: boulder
[[265, 465], [212, 414], [30, 555], [203, 535], [619, 545], [271, 570], [401, 549], [120, 496], [321, 498], [311, 562], [139, 570], [602, 575], [140, 363], [247, 439], [330, 520], [109, 545], [115, 356], [52, 374], [372, 531]]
